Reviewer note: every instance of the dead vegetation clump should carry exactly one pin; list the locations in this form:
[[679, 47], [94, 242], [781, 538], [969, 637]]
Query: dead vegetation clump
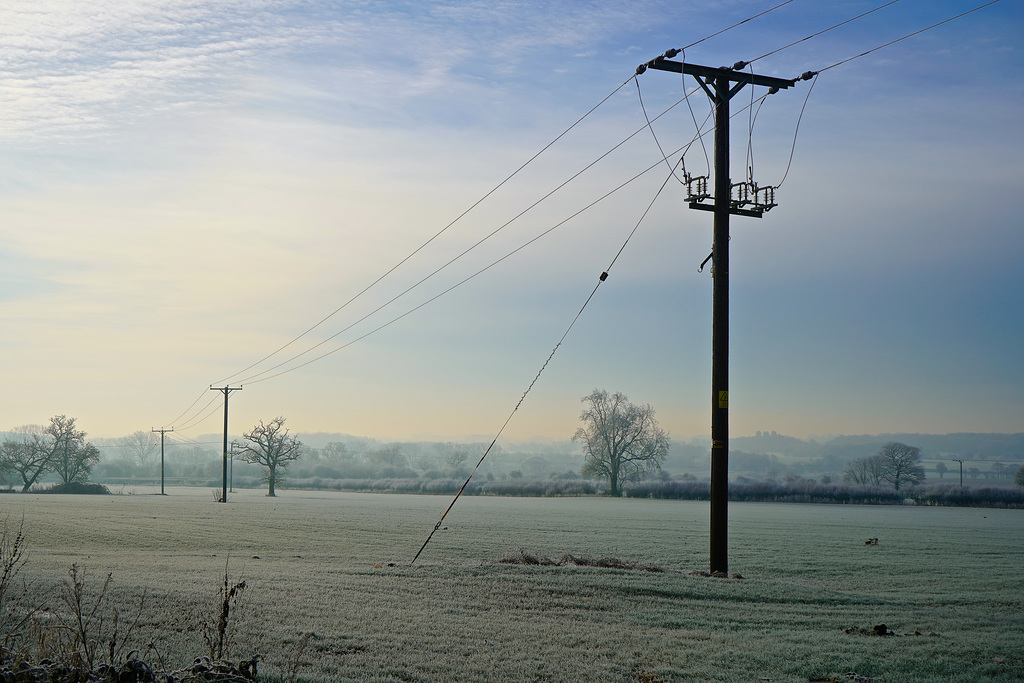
[[569, 560], [87, 639], [134, 670]]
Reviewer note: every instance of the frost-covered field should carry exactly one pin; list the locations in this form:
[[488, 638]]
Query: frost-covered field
[[947, 581]]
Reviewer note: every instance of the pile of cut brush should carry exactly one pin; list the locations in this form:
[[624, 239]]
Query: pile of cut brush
[[202, 670], [569, 560]]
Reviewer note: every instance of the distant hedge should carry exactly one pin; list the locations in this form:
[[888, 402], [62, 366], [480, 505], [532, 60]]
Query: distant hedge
[[75, 487], [801, 491], [988, 497], [806, 491], [510, 487]]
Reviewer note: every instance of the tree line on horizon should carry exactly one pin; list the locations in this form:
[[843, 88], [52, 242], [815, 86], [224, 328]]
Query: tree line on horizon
[[620, 443]]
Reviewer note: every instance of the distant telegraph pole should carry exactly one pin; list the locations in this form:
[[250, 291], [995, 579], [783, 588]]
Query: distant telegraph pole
[[162, 432], [231, 476], [745, 199], [961, 471], [226, 391]]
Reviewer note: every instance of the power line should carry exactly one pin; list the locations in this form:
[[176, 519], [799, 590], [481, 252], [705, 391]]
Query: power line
[[435, 236], [485, 268], [466, 280], [199, 420], [481, 200], [185, 412], [740, 65], [909, 35], [808, 74], [713, 35], [250, 379], [797, 131], [471, 207]]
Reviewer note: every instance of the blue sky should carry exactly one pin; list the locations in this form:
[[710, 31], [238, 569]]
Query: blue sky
[[188, 186]]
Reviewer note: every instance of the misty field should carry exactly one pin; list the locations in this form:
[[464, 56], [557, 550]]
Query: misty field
[[946, 581]]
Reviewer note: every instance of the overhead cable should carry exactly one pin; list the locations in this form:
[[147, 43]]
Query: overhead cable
[[740, 65], [909, 35], [792, 149], [186, 411], [487, 267], [434, 237], [466, 251], [478, 202], [199, 420], [474, 205], [771, 9]]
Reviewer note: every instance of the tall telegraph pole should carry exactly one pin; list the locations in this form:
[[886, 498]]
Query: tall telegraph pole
[[162, 432], [720, 85], [227, 391]]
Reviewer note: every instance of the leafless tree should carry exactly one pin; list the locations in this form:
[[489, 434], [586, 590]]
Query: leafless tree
[[71, 458], [453, 455], [59, 447], [901, 464], [867, 471], [23, 456], [621, 440], [271, 447], [139, 446], [391, 455], [336, 452]]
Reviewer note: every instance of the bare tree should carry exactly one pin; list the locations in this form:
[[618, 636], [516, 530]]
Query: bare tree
[[336, 452], [867, 471], [271, 447], [71, 458], [59, 448], [392, 455], [621, 440], [901, 463], [941, 469], [139, 447], [453, 455], [24, 457]]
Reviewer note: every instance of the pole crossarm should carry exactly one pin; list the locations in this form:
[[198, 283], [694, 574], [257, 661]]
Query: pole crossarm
[[711, 74]]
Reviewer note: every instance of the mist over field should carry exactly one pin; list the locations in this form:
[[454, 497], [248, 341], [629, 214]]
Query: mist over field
[[503, 406]]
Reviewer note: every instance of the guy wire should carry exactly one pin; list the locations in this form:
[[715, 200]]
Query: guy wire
[[602, 278]]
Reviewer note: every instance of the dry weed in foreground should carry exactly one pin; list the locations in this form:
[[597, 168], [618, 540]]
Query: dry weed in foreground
[[218, 637], [91, 627], [569, 560]]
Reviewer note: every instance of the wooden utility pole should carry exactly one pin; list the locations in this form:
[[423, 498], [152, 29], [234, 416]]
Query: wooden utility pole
[[227, 391], [162, 432], [720, 85], [961, 471]]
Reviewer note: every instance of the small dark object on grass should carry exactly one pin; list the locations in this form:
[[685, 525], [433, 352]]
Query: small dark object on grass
[[881, 630], [871, 541]]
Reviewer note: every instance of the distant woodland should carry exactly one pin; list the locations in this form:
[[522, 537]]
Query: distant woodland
[[988, 460]]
